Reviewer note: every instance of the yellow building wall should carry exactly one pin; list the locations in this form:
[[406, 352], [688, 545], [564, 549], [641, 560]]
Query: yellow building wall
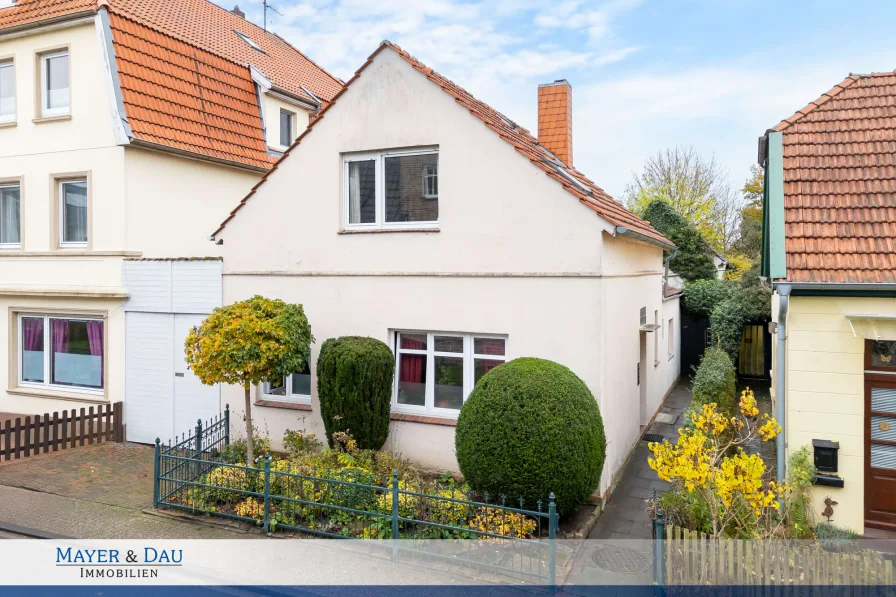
[[825, 390]]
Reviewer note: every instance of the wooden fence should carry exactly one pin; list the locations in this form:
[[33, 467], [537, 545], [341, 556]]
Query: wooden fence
[[21, 438], [694, 559]]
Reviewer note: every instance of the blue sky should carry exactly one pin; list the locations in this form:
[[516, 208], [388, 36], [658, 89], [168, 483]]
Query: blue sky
[[646, 75]]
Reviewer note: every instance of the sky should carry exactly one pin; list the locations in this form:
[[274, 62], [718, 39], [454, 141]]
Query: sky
[[646, 74]]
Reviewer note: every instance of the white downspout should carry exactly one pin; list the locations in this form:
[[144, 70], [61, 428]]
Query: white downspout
[[780, 380]]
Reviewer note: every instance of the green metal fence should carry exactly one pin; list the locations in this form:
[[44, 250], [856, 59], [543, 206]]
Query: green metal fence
[[190, 474]]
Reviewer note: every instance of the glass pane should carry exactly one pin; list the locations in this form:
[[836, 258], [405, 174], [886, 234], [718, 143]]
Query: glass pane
[[883, 428], [77, 353], [883, 456], [7, 90], [488, 346], [404, 189], [33, 349], [276, 387], [362, 192], [413, 341], [483, 366], [285, 128], [301, 381], [57, 82], [412, 379], [74, 208], [449, 391], [9, 215], [882, 354], [883, 400], [448, 344]]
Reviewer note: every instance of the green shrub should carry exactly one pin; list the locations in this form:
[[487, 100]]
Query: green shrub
[[354, 387], [800, 478], [236, 450], [295, 442], [702, 296], [686, 509], [715, 380], [531, 427], [694, 258], [746, 305], [834, 538]]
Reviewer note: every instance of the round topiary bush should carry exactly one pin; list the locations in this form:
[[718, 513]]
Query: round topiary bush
[[354, 387], [529, 428]]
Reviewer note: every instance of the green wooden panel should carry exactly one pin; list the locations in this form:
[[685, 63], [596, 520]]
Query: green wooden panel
[[775, 206]]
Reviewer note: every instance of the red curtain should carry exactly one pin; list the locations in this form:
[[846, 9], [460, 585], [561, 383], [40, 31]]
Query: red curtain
[[412, 365]]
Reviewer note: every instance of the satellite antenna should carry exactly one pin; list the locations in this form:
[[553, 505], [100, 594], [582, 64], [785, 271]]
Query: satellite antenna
[[268, 7]]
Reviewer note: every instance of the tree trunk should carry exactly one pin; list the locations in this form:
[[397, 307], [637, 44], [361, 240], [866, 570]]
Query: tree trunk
[[250, 456]]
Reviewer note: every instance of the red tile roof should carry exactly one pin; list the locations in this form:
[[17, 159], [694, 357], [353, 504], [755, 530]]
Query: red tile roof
[[840, 184], [571, 179], [184, 72]]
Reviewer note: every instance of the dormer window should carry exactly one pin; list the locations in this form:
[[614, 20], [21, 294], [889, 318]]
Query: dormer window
[[249, 41], [287, 127]]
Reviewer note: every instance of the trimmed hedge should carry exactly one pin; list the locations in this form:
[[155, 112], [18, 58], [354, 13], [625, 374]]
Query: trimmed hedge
[[702, 296], [715, 381], [354, 387], [531, 427]]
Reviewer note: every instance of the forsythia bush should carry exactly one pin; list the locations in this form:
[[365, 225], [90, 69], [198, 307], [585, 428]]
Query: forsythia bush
[[709, 461]]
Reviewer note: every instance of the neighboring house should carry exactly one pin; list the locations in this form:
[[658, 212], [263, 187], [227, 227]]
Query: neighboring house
[[411, 212], [126, 128], [829, 246]]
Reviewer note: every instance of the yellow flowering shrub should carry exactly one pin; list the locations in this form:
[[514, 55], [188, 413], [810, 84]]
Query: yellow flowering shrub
[[502, 523], [709, 460], [251, 508]]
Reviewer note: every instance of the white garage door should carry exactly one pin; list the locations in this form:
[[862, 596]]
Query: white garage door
[[163, 399]]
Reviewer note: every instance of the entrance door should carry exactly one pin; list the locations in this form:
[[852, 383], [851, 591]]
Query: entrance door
[[193, 400], [880, 453]]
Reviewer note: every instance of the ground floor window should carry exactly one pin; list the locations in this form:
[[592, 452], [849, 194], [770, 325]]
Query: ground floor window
[[435, 372], [292, 388], [61, 352]]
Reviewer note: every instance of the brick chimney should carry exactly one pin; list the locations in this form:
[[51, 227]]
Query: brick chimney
[[236, 10], [555, 119]]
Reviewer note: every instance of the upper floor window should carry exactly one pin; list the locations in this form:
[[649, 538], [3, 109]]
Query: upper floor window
[[55, 84], [10, 216], [7, 91], [391, 190], [73, 213], [287, 127]]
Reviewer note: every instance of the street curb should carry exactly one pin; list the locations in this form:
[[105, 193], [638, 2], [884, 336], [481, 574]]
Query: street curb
[[30, 533], [204, 521]]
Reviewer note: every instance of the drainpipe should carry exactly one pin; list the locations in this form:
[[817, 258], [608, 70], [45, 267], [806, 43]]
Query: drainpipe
[[666, 265], [780, 381]]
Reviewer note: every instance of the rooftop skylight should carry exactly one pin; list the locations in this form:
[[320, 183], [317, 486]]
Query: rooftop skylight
[[249, 41]]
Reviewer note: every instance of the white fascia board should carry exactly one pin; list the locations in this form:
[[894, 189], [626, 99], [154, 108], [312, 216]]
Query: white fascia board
[[120, 125]]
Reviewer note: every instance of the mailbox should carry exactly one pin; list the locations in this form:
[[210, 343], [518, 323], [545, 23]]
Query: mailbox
[[825, 455]]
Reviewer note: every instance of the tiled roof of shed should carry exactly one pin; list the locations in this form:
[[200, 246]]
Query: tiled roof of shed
[[840, 184], [571, 179]]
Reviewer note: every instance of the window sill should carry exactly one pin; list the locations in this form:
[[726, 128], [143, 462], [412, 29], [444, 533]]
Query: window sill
[[58, 395], [59, 118], [286, 405], [388, 230], [8, 125], [423, 419]]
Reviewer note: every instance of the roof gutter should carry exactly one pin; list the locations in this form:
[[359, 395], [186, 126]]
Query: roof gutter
[[639, 236], [838, 288], [189, 154], [49, 24]]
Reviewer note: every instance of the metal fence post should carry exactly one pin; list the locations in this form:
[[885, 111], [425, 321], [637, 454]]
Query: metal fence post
[[267, 492], [552, 536], [198, 456], [659, 552], [395, 505], [226, 424], [156, 476]]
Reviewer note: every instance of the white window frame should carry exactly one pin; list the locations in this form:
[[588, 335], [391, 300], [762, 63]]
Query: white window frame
[[426, 177], [292, 128], [46, 111], [249, 41], [18, 245], [469, 357], [61, 208], [670, 348], [656, 338], [379, 158], [47, 385], [5, 118], [289, 398]]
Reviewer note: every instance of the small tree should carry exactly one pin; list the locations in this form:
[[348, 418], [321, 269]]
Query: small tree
[[247, 343], [694, 258]]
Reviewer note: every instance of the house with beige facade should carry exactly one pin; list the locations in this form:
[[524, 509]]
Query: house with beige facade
[[829, 248], [127, 127], [412, 212]]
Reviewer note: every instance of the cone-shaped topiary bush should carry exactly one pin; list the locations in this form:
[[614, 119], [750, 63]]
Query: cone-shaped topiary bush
[[529, 428], [354, 388]]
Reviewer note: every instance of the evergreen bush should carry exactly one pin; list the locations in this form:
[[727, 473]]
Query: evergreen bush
[[715, 381]]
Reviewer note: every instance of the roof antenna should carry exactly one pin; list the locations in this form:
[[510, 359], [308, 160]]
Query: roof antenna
[[268, 7]]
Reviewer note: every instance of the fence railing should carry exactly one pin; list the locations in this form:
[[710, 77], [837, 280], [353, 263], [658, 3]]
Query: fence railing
[[352, 503], [685, 557], [51, 432]]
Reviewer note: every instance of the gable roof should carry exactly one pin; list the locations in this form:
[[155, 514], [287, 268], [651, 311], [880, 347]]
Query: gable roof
[[576, 183], [184, 73], [840, 184]]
